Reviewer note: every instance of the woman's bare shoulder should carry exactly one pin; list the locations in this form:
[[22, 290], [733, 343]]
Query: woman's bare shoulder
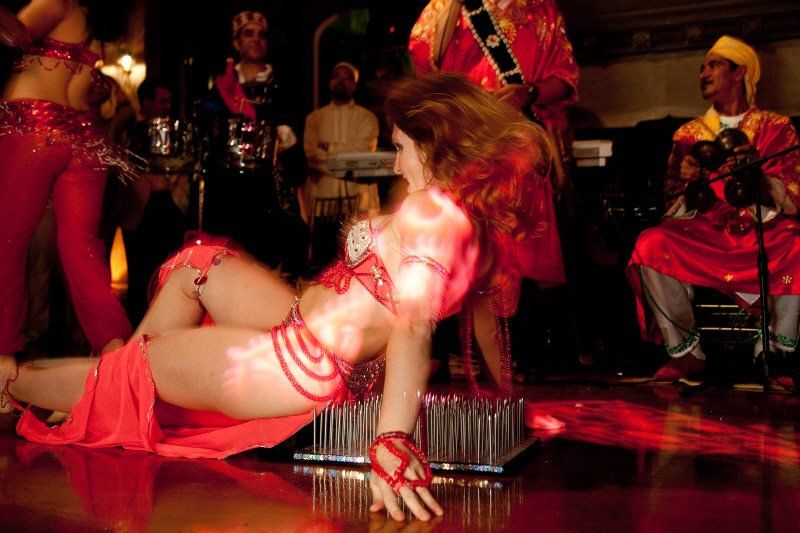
[[432, 211]]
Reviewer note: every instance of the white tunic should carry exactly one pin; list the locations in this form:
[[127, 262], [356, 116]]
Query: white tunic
[[336, 129]]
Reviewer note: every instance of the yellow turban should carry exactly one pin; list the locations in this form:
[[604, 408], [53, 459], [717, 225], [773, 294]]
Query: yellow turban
[[741, 54]]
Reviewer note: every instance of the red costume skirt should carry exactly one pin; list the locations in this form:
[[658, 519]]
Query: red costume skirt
[[539, 256], [120, 406], [716, 249]]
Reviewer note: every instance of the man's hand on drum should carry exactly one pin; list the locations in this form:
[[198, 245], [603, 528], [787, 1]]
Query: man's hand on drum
[[743, 154], [419, 500], [690, 168]]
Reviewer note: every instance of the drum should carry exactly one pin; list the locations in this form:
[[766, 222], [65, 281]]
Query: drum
[[172, 146], [250, 143]]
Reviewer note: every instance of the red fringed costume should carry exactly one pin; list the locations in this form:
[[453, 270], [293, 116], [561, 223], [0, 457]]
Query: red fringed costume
[[52, 151]]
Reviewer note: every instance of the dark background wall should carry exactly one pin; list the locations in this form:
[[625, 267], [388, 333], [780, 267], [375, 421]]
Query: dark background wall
[[638, 58], [621, 46]]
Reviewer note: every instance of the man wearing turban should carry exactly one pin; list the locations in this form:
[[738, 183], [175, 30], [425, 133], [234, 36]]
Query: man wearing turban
[[716, 247]]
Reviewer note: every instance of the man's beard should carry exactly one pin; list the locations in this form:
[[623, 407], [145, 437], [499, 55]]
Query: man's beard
[[338, 92]]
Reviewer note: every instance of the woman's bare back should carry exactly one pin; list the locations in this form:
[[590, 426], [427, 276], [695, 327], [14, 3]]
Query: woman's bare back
[[46, 78]]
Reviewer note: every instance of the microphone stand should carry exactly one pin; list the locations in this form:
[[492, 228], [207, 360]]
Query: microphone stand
[[762, 262], [763, 279]]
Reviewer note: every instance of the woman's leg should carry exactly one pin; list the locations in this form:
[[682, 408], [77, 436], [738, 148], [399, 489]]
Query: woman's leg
[[56, 387], [27, 170], [77, 201], [234, 371], [238, 292]]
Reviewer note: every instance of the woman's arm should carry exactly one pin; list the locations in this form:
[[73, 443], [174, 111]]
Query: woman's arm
[[34, 21], [436, 251], [407, 362], [13, 33]]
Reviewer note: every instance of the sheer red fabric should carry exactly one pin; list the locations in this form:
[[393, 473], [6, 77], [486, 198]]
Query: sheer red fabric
[[120, 405]]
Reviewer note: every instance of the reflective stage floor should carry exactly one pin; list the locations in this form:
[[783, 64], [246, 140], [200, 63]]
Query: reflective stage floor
[[630, 458]]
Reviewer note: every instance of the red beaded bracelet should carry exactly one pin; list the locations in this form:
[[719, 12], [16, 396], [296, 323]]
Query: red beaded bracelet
[[396, 480]]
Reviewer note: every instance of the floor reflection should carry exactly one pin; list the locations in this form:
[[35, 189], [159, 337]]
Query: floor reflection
[[627, 459], [681, 428], [471, 502], [131, 491]]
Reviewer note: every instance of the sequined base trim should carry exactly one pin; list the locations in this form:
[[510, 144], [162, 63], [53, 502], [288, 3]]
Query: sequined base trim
[[360, 378], [787, 344], [60, 125], [79, 53], [685, 346]]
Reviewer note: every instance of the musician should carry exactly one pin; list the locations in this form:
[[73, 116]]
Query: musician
[[444, 39], [257, 207], [154, 216], [339, 127], [249, 88], [532, 35], [717, 247]]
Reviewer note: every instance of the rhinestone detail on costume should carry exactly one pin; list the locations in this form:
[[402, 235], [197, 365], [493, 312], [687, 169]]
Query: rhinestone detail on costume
[[359, 243], [363, 262]]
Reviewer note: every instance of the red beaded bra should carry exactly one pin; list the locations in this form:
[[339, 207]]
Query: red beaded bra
[[72, 56], [362, 262], [79, 53]]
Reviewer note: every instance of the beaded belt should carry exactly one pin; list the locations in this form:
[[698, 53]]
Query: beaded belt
[[358, 378]]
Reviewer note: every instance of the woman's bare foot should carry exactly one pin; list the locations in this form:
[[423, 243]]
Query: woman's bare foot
[[112, 345]]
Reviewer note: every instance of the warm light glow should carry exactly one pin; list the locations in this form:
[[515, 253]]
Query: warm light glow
[[126, 62], [129, 81], [438, 231], [119, 264]]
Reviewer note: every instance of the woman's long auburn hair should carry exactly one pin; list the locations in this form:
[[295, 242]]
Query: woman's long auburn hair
[[486, 153]]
